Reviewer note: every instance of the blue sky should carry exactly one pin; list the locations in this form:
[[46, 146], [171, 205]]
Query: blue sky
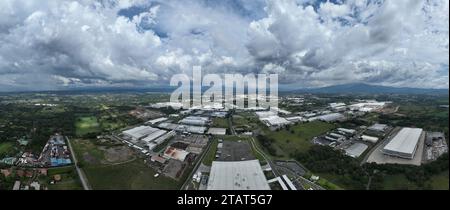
[[60, 44]]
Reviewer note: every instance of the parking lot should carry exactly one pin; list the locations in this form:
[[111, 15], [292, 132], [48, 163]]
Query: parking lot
[[235, 151]]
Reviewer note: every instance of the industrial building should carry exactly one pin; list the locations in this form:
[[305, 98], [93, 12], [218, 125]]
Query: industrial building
[[275, 121], [191, 129], [174, 153], [347, 131], [404, 143], [378, 127], [193, 120], [356, 150], [329, 117], [237, 175], [295, 119], [140, 132], [217, 131], [156, 121], [370, 139], [154, 136], [368, 106]]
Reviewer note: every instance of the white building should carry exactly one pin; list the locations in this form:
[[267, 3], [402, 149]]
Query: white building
[[217, 131], [154, 136], [370, 139], [328, 117], [404, 144], [158, 120], [378, 127], [140, 132], [237, 175], [192, 120], [275, 121], [345, 130], [356, 150]]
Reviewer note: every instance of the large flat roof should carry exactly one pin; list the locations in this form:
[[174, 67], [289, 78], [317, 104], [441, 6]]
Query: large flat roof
[[237, 175], [356, 150], [141, 131], [405, 141]]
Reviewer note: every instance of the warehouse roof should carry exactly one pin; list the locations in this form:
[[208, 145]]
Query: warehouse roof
[[139, 132], [237, 175], [154, 135], [217, 131], [356, 150], [329, 117], [158, 120], [405, 141], [378, 127]]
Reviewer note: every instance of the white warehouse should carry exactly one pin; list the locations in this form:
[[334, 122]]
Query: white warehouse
[[140, 132], [404, 144]]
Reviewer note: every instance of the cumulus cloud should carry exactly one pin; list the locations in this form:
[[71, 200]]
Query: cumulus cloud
[[58, 44]]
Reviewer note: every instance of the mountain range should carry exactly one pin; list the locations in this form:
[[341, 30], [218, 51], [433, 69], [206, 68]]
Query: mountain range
[[360, 88]]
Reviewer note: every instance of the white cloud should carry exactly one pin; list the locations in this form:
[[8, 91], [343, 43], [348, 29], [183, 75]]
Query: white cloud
[[55, 44]]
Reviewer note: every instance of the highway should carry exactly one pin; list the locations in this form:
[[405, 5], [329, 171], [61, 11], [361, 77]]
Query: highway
[[80, 172]]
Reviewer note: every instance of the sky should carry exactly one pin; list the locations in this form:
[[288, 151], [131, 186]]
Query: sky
[[68, 44]]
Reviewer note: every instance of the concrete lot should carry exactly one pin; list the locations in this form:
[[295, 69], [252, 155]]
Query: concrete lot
[[236, 151], [378, 157]]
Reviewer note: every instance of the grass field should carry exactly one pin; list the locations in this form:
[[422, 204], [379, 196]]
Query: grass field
[[289, 142], [84, 148], [328, 185], [130, 176], [85, 125], [398, 182], [440, 181], [220, 122], [69, 179], [5, 148], [245, 120], [134, 175]]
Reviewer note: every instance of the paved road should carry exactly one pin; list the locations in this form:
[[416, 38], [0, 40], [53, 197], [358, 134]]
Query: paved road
[[194, 170], [80, 172]]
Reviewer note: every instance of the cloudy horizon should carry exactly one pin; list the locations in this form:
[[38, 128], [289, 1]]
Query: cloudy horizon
[[62, 44]]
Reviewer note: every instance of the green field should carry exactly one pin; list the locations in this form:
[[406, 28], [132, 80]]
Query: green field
[[289, 142], [398, 182], [245, 120], [85, 148], [134, 175], [85, 125], [131, 175], [220, 122], [328, 185], [439, 181], [69, 179], [5, 148]]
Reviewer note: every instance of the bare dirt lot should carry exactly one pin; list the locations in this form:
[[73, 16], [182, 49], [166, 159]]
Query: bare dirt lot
[[117, 154]]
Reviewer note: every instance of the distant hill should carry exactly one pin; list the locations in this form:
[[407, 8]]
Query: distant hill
[[372, 89]]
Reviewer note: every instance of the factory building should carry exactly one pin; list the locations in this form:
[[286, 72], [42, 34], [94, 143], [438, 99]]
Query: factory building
[[138, 133], [192, 120], [329, 117], [370, 139], [237, 175], [404, 144], [151, 137]]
